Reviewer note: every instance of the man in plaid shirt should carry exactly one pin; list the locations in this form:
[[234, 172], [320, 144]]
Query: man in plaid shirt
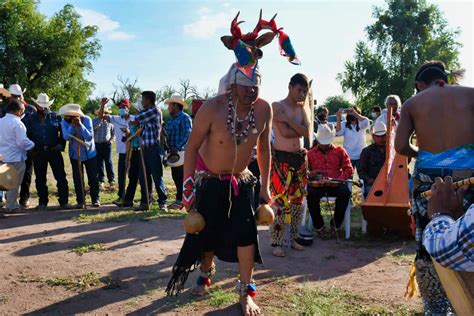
[[178, 129], [449, 242], [149, 119]]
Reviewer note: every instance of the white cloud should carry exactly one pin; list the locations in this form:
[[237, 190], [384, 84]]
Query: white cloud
[[107, 27], [208, 23]]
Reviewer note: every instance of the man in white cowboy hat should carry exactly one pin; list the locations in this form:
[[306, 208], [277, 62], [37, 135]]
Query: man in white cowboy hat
[[104, 134], [77, 124], [178, 129], [372, 157], [44, 129], [327, 161], [17, 93], [14, 145]]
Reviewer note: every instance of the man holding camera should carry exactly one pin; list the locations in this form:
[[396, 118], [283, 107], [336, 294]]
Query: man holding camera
[[44, 129], [77, 126]]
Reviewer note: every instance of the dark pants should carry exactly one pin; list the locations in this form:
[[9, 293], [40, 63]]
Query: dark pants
[[104, 156], [134, 174], [121, 170], [178, 173], [26, 182], [253, 167], [154, 171], [355, 164], [91, 169], [55, 160], [342, 195]]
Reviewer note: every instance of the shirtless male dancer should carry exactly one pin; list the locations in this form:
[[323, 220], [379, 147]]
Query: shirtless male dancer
[[442, 116], [225, 131], [289, 161]]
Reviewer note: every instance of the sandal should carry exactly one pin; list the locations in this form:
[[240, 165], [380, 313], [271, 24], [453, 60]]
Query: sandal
[[323, 233]]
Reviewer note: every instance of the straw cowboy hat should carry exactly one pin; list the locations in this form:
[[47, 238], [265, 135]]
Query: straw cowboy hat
[[177, 99], [43, 100], [325, 134], [8, 177], [16, 89], [379, 129], [4, 91], [106, 111], [175, 160], [71, 109]]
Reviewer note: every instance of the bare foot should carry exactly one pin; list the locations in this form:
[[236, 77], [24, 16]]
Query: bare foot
[[296, 246], [278, 252], [248, 306], [199, 290]]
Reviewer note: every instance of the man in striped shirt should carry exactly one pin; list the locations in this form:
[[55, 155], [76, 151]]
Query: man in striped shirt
[[150, 120], [449, 242]]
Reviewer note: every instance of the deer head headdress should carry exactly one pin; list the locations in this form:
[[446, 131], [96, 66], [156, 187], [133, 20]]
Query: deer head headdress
[[247, 47]]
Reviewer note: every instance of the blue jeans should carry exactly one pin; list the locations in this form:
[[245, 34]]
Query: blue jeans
[[154, 171], [91, 171], [104, 156]]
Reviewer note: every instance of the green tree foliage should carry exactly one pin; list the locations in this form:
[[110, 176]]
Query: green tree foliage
[[335, 103], [405, 35], [50, 55]]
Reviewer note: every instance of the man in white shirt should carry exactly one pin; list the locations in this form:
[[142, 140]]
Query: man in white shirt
[[13, 146]]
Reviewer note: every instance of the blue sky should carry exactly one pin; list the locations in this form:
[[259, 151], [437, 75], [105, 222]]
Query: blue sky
[[160, 42]]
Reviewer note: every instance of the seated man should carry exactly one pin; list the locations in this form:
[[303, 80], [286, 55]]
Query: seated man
[[372, 157], [327, 161], [449, 242]]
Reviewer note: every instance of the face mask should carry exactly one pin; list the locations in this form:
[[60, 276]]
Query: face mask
[[373, 115], [322, 117], [123, 112]]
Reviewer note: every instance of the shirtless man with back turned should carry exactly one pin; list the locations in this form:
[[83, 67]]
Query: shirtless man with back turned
[[289, 160], [442, 116]]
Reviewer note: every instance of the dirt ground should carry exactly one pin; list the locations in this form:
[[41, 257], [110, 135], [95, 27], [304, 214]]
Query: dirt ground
[[42, 274]]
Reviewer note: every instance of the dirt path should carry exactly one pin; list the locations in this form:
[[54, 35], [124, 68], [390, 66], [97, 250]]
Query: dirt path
[[41, 273]]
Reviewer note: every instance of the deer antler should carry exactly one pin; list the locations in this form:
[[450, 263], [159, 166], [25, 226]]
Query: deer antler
[[234, 27]]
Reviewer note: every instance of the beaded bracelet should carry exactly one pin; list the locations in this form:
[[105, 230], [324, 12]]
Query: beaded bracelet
[[246, 289], [205, 277]]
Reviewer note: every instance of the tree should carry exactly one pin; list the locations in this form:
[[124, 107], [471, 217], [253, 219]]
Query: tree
[[335, 103], [406, 34], [185, 88], [46, 55], [126, 89], [164, 93]]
